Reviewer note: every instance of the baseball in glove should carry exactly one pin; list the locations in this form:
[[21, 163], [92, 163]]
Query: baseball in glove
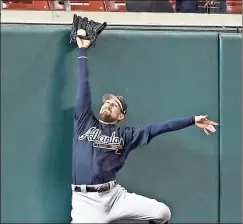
[[92, 29]]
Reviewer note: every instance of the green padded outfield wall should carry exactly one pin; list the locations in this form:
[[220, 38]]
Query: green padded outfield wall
[[231, 130], [162, 75]]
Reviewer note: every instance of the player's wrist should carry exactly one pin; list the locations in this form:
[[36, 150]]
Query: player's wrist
[[82, 51]]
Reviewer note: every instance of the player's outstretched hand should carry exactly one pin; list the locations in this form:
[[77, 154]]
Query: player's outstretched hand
[[83, 43], [206, 125]]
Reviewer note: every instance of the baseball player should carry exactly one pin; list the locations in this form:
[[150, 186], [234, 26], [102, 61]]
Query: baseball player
[[100, 148]]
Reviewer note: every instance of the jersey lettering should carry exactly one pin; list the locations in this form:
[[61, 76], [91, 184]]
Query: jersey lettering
[[103, 141]]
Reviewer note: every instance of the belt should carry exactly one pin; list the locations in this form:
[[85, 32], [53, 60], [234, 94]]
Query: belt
[[96, 188]]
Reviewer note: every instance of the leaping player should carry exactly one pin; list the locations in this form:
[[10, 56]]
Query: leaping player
[[100, 148]]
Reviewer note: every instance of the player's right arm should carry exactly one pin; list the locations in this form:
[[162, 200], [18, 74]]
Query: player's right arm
[[83, 101], [142, 135]]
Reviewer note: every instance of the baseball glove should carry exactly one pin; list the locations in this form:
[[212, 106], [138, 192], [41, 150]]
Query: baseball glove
[[74, 29], [93, 29]]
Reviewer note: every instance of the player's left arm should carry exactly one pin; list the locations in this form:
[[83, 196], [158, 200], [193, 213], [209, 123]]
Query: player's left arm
[[142, 135], [83, 100]]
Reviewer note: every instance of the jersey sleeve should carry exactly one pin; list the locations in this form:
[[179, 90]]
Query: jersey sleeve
[[83, 100], [142, 135]]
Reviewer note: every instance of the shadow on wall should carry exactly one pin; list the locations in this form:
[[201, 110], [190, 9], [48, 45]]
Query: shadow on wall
[[57, 174]]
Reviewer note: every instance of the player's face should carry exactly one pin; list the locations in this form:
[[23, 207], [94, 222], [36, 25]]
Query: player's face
[[110, 112]]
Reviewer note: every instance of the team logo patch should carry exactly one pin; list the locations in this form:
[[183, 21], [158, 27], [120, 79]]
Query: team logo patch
[[103, 141]]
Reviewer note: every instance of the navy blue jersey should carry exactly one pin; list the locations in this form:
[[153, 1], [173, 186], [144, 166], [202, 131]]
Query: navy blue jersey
[[100, 150]]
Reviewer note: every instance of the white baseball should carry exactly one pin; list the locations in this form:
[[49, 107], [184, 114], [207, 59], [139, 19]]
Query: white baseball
[[81, 32]]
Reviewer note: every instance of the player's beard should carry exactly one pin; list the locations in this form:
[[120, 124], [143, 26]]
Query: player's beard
[[106, 117]]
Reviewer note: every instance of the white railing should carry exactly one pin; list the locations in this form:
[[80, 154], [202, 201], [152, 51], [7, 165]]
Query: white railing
[[126, 18]]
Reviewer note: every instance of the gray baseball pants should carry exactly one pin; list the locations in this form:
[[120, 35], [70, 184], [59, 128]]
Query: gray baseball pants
[[116, 204]]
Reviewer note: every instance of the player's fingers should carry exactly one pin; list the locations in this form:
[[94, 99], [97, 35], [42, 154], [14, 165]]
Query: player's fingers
[[78, 40], [206, 132], [211, 128], [214, 123]]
